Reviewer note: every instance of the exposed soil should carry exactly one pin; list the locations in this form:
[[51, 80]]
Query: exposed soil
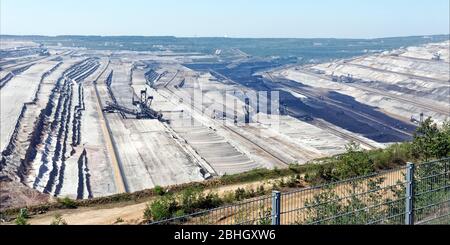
[[15, 194], [130, 213]]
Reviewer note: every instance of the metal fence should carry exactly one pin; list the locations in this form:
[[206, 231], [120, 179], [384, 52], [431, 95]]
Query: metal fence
[[431, 193], [414, 194]]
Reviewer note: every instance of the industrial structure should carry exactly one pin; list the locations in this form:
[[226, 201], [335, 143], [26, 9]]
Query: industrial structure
[[87, 123]]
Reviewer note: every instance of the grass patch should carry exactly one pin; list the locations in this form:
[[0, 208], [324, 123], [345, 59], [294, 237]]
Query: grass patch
[[67, 203], [262, 174], [430, 142]]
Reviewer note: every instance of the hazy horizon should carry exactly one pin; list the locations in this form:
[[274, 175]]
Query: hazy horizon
[[169, 36], [344, 19]]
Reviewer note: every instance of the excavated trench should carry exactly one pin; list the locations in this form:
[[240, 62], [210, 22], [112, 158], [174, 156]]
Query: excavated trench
[[12, 74], [335, 108], [108, 83], [11, 149], [61, 147], [83, 177], [76, 127], [54, 136]]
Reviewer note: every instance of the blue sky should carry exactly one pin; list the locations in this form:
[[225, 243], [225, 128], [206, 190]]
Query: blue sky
[[233, 18]]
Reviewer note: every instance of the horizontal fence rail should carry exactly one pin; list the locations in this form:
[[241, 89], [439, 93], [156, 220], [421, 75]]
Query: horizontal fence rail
[[257, 211], [432, 193], [373, 199], [414, 194]]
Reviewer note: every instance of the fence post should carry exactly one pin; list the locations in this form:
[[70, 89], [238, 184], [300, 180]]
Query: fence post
[[276, 207], [409, 207], [447, 174]]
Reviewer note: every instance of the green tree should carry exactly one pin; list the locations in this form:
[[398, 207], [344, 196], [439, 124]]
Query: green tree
[[355, 162], [430, 141]]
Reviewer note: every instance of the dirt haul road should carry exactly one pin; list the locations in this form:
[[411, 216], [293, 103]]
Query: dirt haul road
[[130, 213]]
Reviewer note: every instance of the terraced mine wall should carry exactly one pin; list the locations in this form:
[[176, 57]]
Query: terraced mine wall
[[9, 150], [55, 133], [25, 51], [335, 108], [11, 75], [65, 116], [48, 73], [83, 177], [76, 134]]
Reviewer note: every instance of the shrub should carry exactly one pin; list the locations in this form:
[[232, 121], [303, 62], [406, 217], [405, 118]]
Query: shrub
[[319, 173], [159, 190], [68, 203], [148, 213], [161, 209], [293, 182], [21, 221], [392, 156], [355, 162], [264, 215], [239, 194], [119, 221], [275, 187], [211, 200], [261, 191], [229, 197], [58, 220], [295, 168], [277, 171], [261, 174], [192, 200], [179, 213], [430, 141], [22, 217], [188, 199]]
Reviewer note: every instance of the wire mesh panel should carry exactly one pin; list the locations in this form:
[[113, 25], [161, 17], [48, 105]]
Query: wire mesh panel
[[374, 199], [257, 211], [432, 192], [415, 194]]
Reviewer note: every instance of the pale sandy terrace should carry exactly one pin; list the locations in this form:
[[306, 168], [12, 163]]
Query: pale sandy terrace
[[392, 83], [14, 94], [85, 152]]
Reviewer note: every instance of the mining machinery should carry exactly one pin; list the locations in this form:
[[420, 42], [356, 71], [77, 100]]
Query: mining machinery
[[143, 108]]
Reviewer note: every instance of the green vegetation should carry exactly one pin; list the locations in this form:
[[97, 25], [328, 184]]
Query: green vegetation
[[367, 201], [119, 221], [159, 190], [262, 174], [264, 215], [144, 195], [378, 204], [58, 220], [185, 202], [67, 203], [160, 209], [22, 217], [430, 142], [356, 162], [329, 207], [193, 200]]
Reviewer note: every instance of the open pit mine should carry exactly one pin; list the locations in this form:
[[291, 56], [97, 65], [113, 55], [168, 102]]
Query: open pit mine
[[88, 123]]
